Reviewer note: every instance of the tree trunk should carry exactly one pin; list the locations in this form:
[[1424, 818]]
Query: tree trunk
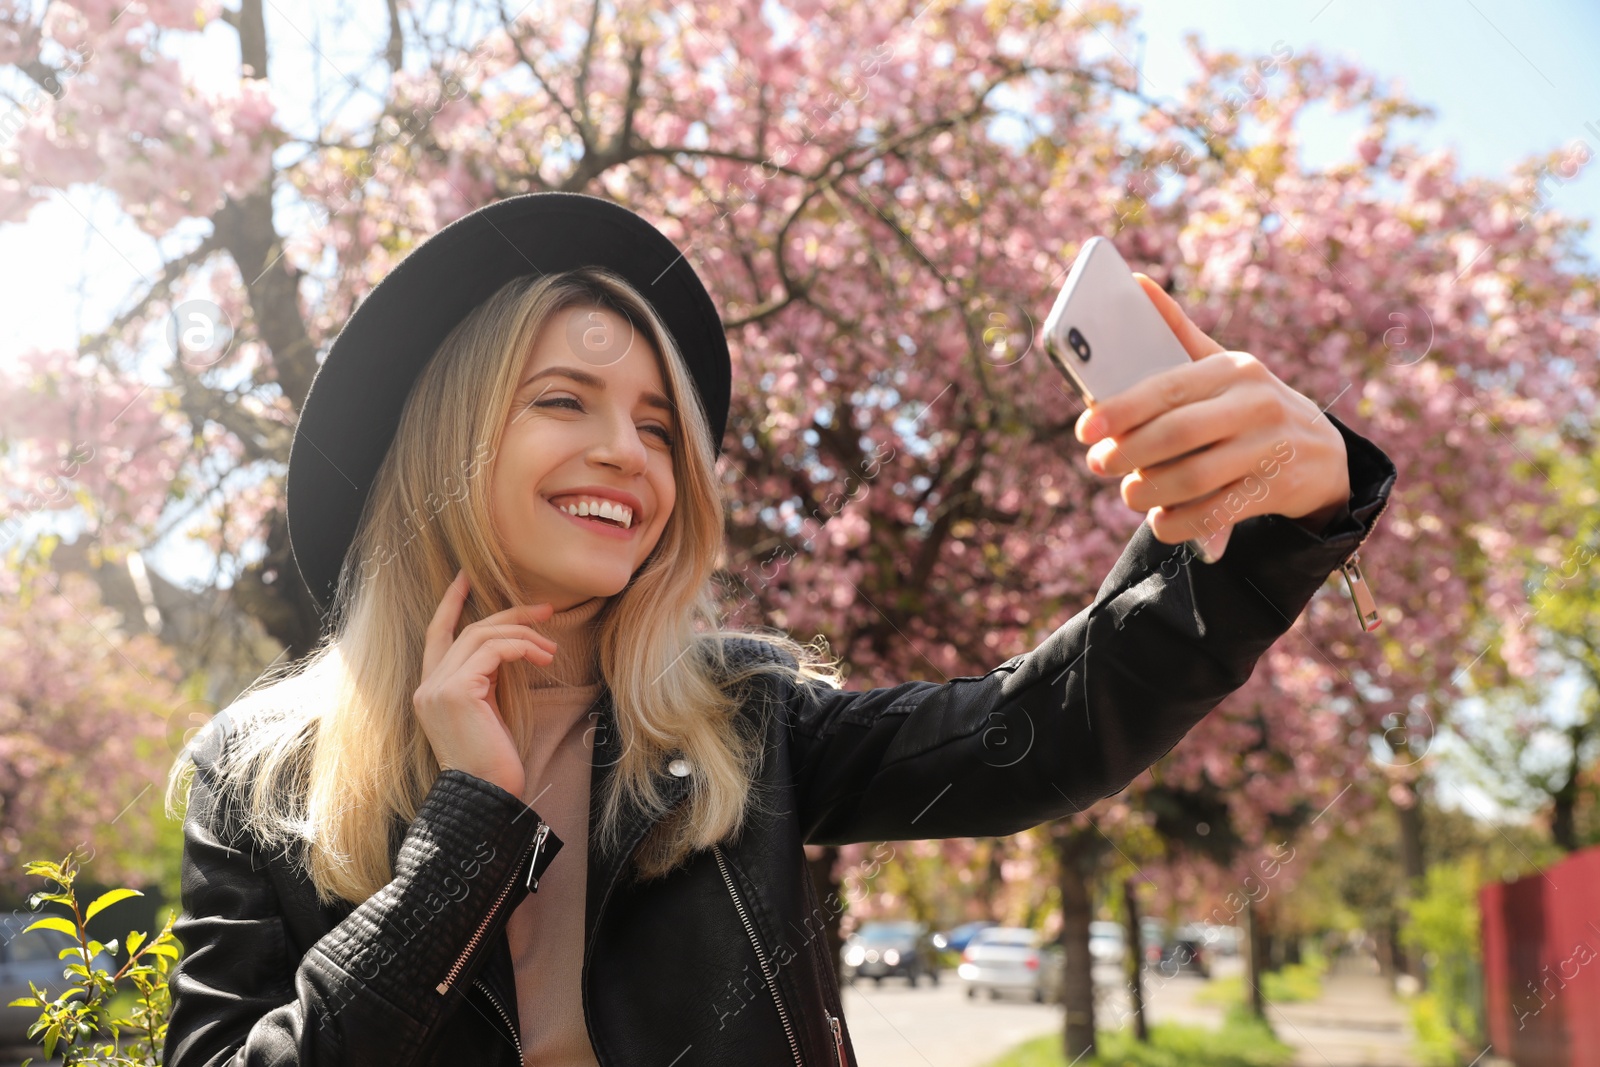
[[1133, 962], [1564, 801], [994, 881], [1079, 851], [1414, 868], [1388, 938], [1255, 958]]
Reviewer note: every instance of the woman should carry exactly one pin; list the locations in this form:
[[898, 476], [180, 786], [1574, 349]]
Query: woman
[[528, 802]]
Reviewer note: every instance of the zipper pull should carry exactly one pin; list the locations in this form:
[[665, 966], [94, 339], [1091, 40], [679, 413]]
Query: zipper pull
[[535, 868], [540, 835], [1360, 592], [838, 1038]]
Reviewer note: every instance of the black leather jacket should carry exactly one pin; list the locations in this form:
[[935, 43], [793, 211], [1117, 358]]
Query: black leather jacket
[[724, 961]]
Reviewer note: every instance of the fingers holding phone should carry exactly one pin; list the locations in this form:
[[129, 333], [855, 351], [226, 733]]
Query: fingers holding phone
[[1201, 437], [1200, 447], [1194, 340], [1107, 335]]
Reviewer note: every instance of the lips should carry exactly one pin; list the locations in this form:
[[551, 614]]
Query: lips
[[597, 525], [603, 492]]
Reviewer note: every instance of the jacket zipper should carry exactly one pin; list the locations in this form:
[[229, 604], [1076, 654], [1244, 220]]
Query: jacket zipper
[[1355, 580], [838, 1036], [824, 983], [515, 1036], [761, 957], [533, 848]]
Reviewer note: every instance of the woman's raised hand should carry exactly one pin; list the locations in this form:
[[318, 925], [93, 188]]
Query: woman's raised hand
[[1202, 446], [456, 703]]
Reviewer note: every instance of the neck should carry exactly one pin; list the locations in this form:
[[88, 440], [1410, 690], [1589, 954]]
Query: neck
[[577, 635]]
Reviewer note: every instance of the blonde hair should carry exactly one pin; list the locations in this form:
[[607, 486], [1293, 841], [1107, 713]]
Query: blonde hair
[[328, 751]]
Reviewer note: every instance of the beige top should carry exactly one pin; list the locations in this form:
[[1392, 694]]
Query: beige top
[[546, 929]]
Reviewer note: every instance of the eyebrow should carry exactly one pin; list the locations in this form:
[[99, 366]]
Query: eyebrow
[[594, 381]]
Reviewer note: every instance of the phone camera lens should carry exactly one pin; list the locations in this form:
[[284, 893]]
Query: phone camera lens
[[1079, 345]]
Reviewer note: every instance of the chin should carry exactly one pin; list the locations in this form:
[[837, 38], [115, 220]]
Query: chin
[[583, 585]]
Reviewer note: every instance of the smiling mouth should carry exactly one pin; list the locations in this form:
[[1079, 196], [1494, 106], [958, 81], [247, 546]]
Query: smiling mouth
[[612, 522]]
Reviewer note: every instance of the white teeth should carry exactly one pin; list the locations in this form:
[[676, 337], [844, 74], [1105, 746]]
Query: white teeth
[[604, 509]]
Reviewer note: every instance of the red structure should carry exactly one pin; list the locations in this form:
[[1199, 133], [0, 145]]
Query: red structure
[[1541, 964]]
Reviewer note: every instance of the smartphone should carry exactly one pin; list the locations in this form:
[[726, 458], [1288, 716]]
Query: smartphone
[[1104, 335]]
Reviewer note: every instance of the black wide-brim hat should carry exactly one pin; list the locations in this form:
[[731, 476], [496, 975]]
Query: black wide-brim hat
[[353, 408]]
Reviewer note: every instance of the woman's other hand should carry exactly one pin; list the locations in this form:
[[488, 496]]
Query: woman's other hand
[[456, 703], [1202, 446]]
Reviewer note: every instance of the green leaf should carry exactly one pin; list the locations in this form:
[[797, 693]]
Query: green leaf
[[106, 899], [135, 939], [26, 1002], [54, 922], [56, 898]]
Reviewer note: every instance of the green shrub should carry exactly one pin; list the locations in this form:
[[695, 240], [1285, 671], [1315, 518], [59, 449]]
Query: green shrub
[[1242, 1042], [129, 1005], [1442, 925], [1293, 984], [1437, 1044]]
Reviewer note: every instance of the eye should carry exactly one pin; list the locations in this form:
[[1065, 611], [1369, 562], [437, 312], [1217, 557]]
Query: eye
[[573, 404], [555, 400]]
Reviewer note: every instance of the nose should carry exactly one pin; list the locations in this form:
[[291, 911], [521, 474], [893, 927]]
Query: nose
[[621, 446]]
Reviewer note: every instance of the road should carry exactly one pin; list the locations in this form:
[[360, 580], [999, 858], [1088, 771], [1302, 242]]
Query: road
[[894, 1025]]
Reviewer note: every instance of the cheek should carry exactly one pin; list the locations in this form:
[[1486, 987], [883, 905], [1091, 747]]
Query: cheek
[[666, 494], [499, 494], [664, 516]]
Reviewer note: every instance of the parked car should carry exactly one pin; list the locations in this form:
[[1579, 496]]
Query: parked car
[[1152, 940], [1186, 952], [1107, 943], [882, 950], [33, 956], [1218, 940], [1012, 959], [956, 940]]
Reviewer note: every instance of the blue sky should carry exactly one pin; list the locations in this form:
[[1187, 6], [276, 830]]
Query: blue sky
[[1507, 79]]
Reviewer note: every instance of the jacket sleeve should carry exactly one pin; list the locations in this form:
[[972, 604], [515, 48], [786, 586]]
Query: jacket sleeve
[[366, 992], [1050, 732]]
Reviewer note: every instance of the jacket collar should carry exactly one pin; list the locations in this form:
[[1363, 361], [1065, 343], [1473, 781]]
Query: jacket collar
[[606, 866]]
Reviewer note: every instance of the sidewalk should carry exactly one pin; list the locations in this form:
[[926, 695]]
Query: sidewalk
[[1357, 1022]]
